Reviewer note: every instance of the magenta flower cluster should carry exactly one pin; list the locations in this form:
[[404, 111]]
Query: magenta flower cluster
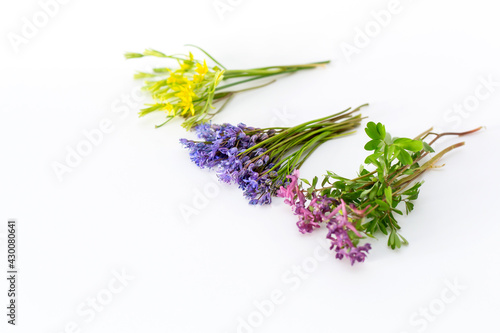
[[340, 219]]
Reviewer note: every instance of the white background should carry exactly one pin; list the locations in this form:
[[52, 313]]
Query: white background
[[118, 210]]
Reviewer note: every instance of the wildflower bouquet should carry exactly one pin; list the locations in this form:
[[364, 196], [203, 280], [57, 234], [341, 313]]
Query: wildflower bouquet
[[354, 208], [260, 159], [192, 90]]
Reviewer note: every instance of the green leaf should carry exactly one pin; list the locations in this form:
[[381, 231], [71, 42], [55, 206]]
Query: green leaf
[[414, 188], [305, 181], [382, 228], [381, 130], [397, 211], [326, 192], [388, 195], [404, 157], [409, 144], [390, 241], [363, 171], [324, 181], [397, 241], [380, 174], [340, 185], [428, 148], [373, 192], [372, 144], [370, 227], [380, 190], [365, 193], [371, 131], [388, 139], [315, 181], [382, 204], [391, 149], [409, 207], [405, 242], [372, 159], [397, 150]]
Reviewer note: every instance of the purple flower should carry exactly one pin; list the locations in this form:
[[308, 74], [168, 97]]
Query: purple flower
[[339, 223], [310, 215], [338, 217], [224, 149]]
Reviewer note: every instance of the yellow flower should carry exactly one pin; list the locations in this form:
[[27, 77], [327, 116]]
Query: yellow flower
[[167, 107], [185, 66], [176, 79], [202, 70], [198, 78], [186, 95]]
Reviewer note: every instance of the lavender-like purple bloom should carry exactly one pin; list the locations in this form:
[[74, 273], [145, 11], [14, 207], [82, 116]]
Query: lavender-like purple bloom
[[224, 149]]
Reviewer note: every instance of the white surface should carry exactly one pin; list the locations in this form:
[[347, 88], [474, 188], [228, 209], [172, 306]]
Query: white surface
[[119, 209]]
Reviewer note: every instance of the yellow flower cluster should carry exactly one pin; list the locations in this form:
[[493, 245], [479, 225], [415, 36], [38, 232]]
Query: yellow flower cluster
[[191, 90], [186, 89]]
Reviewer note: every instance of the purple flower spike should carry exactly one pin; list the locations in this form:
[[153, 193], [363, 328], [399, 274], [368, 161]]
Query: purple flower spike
[[222, 150]]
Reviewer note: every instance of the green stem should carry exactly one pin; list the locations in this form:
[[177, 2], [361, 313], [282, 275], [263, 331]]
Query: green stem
[[427, 165], [302, 66]]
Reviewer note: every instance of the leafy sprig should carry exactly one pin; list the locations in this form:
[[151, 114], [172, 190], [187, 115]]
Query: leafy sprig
[[386, 181]]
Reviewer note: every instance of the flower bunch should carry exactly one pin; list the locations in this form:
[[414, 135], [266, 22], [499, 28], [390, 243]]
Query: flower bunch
[[191, 90], [259, 160], [341, 220], [355, 208]]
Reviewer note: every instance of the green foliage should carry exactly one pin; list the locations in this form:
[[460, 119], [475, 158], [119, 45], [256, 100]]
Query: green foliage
[[378, 195], [382, 190]]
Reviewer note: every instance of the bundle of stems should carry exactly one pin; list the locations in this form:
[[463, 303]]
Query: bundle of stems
[[194, 91], [353, 209], [260, 159]]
